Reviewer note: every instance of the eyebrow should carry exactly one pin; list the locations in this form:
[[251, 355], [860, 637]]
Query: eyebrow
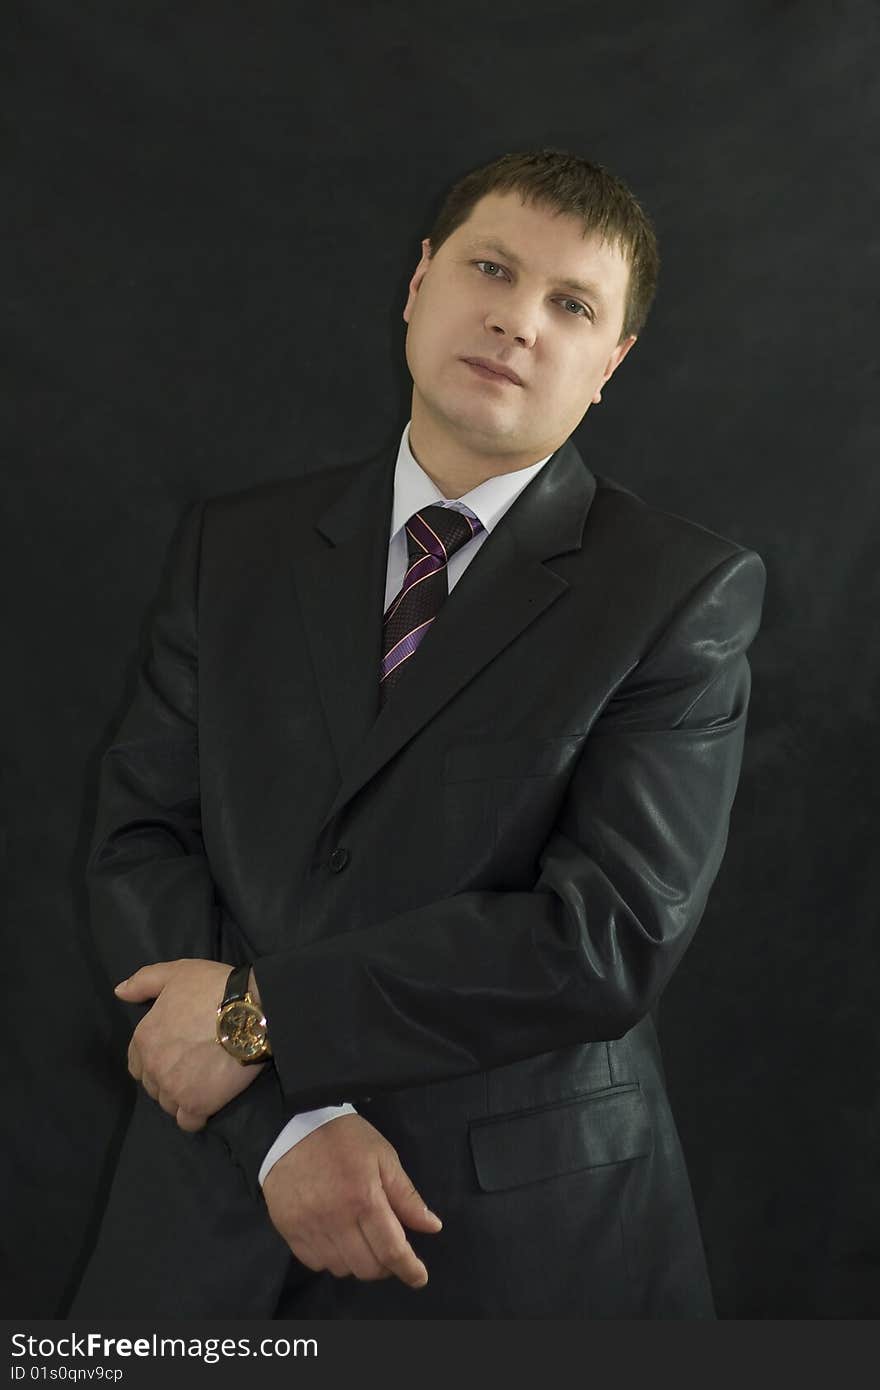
[[491, 244]]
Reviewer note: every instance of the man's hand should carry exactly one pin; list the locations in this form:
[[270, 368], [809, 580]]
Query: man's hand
[[338, 1198], [174, 1051]]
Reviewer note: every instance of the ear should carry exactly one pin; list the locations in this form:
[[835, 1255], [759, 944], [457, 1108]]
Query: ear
[[614, 362], [418, 277]]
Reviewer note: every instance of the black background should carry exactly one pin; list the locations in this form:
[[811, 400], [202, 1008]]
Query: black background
[[213, 211]]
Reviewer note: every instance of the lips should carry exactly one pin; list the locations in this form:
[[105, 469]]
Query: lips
[[487, 368]]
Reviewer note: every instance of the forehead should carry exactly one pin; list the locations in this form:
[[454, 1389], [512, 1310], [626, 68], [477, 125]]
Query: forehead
[[545, 242]]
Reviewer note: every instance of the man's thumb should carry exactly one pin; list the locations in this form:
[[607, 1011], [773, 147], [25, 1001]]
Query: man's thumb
[[408, 1205], [146, 983]]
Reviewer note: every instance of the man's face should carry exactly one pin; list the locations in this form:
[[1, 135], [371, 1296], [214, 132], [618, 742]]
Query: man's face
[[520, 286]]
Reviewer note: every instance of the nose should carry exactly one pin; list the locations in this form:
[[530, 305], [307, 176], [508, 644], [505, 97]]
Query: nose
[[513, 320]]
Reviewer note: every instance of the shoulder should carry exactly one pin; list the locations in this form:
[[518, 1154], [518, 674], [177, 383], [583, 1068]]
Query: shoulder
[[674, 549], [669, 566], [308, 492], [267, 516], [623, 509]]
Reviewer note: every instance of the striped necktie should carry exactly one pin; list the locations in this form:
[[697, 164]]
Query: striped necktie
[[433, 535]]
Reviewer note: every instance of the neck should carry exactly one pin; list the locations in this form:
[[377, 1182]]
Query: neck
[[453, 465]]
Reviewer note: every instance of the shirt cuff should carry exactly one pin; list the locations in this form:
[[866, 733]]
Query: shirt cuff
[[297, 1129]]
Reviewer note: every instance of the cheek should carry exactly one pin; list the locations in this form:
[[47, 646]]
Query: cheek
[[425, 328], [438, 341], [573, 390], [417, 340]]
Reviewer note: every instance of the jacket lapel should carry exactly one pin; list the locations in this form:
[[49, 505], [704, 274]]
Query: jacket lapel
[[501, 593]]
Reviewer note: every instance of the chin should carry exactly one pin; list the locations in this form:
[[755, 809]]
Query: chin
[[490, 436], [483, 417]]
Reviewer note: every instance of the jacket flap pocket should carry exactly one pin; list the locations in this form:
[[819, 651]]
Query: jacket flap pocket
[[530, 757], [606, 1126]]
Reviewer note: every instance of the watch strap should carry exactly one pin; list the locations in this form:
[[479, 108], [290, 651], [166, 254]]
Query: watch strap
[[236, 984]]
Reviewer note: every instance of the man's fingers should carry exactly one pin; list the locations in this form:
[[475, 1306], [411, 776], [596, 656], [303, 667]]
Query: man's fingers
[[405, 1201], [330, 1257], [146, 983], [355, 1249], [189, 1121], [318, 1257], [168, 1104], [386, 1239], [305, 1254]]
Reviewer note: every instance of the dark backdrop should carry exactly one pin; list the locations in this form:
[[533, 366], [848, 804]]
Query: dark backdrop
[[214, 210]]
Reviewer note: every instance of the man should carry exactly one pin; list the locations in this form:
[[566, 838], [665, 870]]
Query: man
[[433, 858]]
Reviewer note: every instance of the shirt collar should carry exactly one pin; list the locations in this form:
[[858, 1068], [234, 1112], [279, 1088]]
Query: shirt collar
[[413, 489]]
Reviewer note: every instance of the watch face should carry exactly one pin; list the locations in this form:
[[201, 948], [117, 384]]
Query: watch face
[[242, 1029]]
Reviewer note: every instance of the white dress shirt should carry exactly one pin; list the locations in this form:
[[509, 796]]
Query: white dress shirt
[[413, 489]]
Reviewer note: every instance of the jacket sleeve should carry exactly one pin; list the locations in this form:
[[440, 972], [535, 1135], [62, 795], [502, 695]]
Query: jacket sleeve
[[151, 896], [484, 978]]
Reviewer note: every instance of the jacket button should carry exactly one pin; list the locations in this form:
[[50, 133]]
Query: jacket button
[[338, 859]]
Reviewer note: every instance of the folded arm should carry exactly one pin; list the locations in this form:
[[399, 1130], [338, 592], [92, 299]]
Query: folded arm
[[480, 978]]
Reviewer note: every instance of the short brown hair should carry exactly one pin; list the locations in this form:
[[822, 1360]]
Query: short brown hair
[[566, 182]]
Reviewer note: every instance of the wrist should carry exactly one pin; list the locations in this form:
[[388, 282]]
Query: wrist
[[241, 1025]]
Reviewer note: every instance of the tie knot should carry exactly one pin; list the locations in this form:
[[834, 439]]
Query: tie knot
[[440, 531]]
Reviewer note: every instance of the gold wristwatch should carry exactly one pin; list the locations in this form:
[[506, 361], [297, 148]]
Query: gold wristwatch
[[241, 1024]]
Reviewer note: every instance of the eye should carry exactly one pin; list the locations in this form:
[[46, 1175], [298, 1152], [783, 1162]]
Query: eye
[[494, 265], [581, 309]]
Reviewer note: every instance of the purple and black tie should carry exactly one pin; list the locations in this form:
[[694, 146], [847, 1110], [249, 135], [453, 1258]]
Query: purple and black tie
[[433, 535]]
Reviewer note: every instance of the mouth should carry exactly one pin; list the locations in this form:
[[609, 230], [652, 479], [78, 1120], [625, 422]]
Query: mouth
[[496, 373]]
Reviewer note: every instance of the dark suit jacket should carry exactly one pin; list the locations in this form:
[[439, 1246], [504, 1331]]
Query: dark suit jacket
[[462, 909]]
